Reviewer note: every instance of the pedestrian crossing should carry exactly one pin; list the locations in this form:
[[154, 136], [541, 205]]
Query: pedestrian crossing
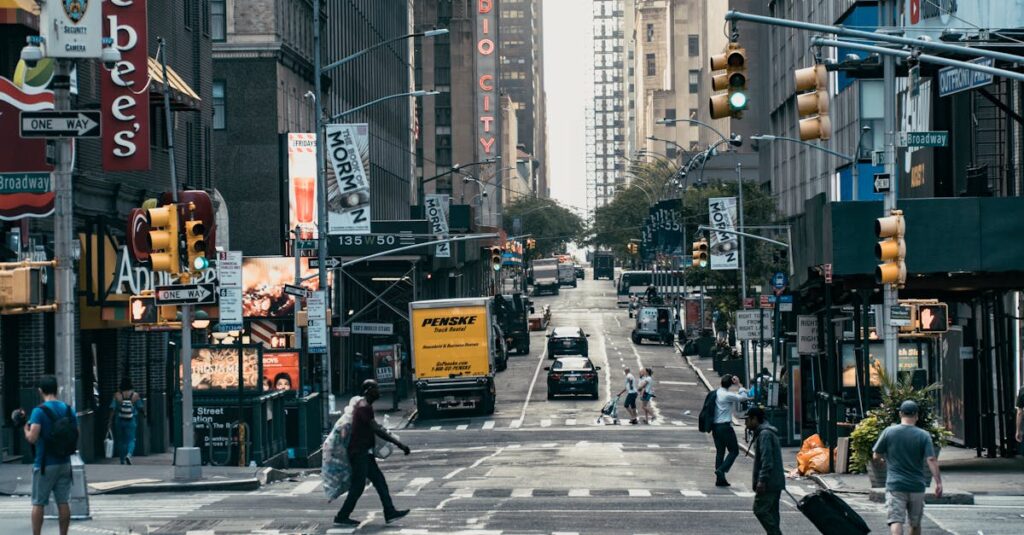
[[569, 421], [116, 507]]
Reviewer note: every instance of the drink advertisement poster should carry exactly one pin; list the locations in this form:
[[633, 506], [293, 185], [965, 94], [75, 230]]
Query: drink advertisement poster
[[302, 197], [725, 247], [348, 184], [280, 371]]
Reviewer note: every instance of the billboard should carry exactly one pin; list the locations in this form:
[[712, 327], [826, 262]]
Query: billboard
[[280, 371], [725, 248], [302, 187], [125, 88], [348, 189], [263, 281], [219, 368], [486, 36]]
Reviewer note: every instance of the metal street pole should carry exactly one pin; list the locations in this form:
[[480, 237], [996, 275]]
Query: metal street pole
[[63, 232], [321, 181], [890, 295], [743, 259]]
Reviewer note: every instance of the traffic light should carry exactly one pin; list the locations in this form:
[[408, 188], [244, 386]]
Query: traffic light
[[734, 81], [164, 238], [933, 318], [142, 310], [632, 248], [496, 258], [531, 243], [195, 243], [22, 287], [700, 253], [892, 250], [812, 102]]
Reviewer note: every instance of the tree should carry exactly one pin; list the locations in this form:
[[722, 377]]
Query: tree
[[551, 225]]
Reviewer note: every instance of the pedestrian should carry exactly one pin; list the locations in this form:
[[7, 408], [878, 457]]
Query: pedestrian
[[365, 431], [125, 409], [727, 402], [769, 478], [631, 392], [1020, 420], [53, 431], [646, 388], [906, 448]]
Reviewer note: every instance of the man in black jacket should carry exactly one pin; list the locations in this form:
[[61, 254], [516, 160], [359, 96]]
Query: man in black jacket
[[769, 478]]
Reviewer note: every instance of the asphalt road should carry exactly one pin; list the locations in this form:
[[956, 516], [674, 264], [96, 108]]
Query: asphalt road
[[534, 466]]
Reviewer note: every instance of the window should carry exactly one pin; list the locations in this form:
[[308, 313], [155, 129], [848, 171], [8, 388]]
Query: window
[[650, 33], [694, 81], [219, 118], [694, 45], [218, 20], [206, 17], [670, 114], [187, 14], [652, 66], [693, 113]]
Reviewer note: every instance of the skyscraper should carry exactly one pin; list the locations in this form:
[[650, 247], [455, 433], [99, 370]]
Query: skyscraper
[[522, 77], [609, 134]]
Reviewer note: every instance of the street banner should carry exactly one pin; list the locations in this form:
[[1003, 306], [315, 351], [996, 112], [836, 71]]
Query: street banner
[[725, 248], [348, 190], [124, 90], [437, 214], [26, 182], [316, 328], [302, 187]]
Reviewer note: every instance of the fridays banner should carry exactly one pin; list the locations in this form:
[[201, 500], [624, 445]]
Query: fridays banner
[[725, 248], [302, 197], [437, 216], [348, 190]]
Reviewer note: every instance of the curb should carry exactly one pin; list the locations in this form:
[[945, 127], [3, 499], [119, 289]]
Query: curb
[[226, 485], [404, 423]]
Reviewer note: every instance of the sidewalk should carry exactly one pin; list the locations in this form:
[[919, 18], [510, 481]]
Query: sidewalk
[[963, 473], [155, 473]]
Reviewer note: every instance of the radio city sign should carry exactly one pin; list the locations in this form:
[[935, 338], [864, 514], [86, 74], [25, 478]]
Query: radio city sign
[[486, 32], [124, 88]]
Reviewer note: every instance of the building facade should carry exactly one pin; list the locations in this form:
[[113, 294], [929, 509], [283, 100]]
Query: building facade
[[608, 130]]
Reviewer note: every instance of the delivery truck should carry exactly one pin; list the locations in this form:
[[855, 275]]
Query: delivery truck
[[545, 275], [454, 355], [566, 274]]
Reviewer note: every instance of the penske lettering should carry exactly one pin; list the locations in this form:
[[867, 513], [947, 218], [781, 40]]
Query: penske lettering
[[447, 322]]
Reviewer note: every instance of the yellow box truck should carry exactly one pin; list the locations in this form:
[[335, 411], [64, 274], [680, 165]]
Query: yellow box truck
[[453, 355]]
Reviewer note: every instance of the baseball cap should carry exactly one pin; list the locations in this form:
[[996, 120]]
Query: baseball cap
[[908, 407]]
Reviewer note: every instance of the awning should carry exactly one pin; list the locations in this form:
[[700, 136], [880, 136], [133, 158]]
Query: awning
[[24, 12], [183, 97]]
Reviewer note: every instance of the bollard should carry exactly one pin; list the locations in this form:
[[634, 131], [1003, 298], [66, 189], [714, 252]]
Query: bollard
[[79, 501]]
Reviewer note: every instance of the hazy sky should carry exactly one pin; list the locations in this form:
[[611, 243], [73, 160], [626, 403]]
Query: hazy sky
[[568, 57]]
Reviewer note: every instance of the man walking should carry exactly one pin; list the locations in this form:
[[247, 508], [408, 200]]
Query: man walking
[[769, 478], [905, 448], [52, 429], [726, 403], [631, 391], [1020, 420], [365, 429]]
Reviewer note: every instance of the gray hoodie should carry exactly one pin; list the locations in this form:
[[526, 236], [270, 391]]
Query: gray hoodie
[[768, 459]]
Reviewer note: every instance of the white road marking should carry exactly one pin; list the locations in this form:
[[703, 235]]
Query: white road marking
[[693, 493], [570, 421], [305, 487], [515, 424], [682, 383], [533, 383], [462, 493], [797, 491], [435, 428], [454, 473], [743, 493], [545, 423], [462, 427], [489, 424], [415, 486], [414, 531], [579, 493], [654, 446], [522, 493], [678, 422], [549, 445], [639, 493]]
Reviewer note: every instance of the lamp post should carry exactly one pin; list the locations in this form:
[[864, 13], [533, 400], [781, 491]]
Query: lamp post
[[670, 142], [851, 159], [457, 168], [414, 94], [318, 71]]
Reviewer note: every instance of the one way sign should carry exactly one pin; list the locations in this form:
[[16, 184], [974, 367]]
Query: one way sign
[[186, 294], [75, 123]]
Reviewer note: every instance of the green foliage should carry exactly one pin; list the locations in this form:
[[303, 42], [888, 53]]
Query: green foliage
[[553, 226], [894, 393]]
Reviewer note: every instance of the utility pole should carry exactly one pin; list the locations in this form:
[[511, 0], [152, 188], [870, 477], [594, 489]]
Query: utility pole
[[890, 297], [743, 256], [321, 182], [63, 223]]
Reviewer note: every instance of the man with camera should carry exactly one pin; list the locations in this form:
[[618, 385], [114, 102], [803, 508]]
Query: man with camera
[[52, 429]]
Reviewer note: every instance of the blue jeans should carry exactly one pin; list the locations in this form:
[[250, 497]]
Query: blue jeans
[[125, 437]]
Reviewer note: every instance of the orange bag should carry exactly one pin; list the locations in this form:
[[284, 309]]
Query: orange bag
[[812, 442]]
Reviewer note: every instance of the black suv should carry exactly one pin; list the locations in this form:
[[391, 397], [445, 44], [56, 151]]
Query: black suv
[[567, 341]]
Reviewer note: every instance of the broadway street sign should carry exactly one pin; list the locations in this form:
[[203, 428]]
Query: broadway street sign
[[186, 294], [81, 123]]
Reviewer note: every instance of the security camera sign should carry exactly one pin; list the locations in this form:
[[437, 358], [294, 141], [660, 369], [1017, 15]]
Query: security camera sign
[[71, 28]]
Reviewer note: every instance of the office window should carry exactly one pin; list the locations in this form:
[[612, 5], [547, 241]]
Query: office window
[[652, 66], [694, 45], [650, 33], [219, 118], [187, 14], [694, 81], [218, 20], [670, 114]]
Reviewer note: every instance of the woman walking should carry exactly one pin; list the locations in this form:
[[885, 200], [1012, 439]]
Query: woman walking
[[125, 408], [646, 388]]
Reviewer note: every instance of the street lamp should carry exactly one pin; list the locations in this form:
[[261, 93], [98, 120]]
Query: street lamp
[[419, 93], [692, 121], [851, 159], [670, 142], [457, 168]]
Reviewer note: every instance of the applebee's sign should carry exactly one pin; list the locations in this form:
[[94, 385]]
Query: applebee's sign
[[124, 88]]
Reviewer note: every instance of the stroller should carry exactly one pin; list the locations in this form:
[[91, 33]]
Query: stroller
[[610, 410]]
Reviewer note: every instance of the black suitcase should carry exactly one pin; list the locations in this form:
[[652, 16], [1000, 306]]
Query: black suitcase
[[830, 514]]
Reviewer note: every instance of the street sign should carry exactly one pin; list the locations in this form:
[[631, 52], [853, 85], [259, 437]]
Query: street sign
[[316, 328], [807, 335], [899, 316], [779, 282], [297, 291], [186, 294], [953, 80], [229, 269], [786, 303], [72, 123], [306, 244], [230, 307], [341, 331], [380, 329], [878, 158], [749, 325], [767, 301], [883, 182], [383, 236], [924, 139], [331, 263]]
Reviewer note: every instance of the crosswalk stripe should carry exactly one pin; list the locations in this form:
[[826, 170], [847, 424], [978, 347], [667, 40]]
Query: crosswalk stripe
[[305, 487], [462, 427], [692, 493], [570, 421], [545, 423], [654, 446], [799, 491], [515, 424], [415, 486], [579, 493], [462, 493], [489, 424], [435, 428], [677, 422], [522, 493], [743, 493], [639, 493]]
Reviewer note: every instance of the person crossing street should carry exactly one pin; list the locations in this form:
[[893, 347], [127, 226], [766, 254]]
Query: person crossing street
[[769, 479], [906, 449], [726, 403]]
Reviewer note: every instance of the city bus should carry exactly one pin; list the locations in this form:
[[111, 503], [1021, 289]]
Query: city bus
[[631, 283]]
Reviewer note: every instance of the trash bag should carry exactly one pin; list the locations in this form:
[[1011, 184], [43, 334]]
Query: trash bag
[[812, 442], [335, 471], [812, 461]]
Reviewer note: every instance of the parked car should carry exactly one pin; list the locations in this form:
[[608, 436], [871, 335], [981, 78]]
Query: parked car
[[579, 271], [572, 375], [567, 341]]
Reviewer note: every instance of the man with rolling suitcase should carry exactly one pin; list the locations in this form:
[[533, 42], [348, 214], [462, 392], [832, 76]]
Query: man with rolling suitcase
[[769, 477], [906, 448]]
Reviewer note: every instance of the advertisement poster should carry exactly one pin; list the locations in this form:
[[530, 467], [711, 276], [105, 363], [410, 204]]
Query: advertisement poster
[[280, 371], [450, 341], [348, 188], [26, 185], [725, 248], [263, 281], [437, 215], [302, 197], [385, 358], [215, 368]]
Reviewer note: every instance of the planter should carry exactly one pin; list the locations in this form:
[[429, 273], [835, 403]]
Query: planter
[[876, 474]]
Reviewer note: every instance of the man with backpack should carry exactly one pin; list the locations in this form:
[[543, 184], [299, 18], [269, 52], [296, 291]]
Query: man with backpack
[[53, 430], [716, 418]]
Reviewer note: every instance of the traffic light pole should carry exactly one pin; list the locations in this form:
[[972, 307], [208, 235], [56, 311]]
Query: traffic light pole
[[890, 297], [63, 231]]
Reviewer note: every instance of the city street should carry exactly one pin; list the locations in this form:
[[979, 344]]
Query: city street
[[535, 466]]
